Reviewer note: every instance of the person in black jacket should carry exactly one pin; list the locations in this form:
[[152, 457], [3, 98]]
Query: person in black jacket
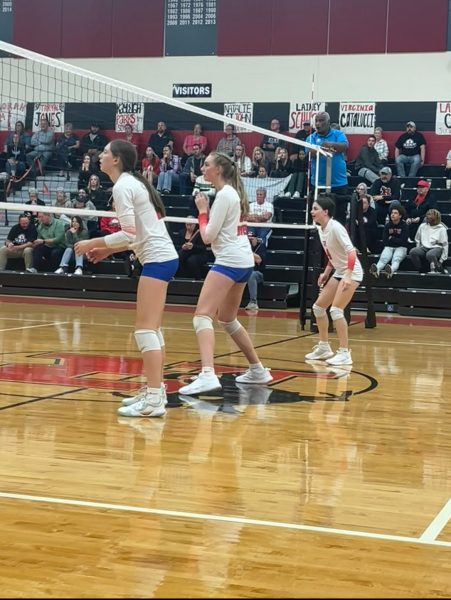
[[418, 207], [259, 250], [193, 255], [368, 164], [383, 191], [369, 226], [395, 242]]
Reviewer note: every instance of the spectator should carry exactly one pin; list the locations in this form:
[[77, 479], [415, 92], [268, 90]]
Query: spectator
[[129, 136], [96, 194], [82, 202], [418, 207], [86, 170], [24, 138], [394, 239], [170, 166], [160, 139], [271, 142], [19, 243], [33, 200], [301, 135], [15, 157], [383, 191], [368, 163], [410, 149], [109, 224], [196, 138], [258, 160], [262, 172], [93, 143], [299, 166], [431, 243], [242, 161], [229, 142], [381, 146], [42, 143], [49, 246], [204, 186], [193, 256], [150, 166], [74, 234], [369, 226], [192, 170], [257, 276], [62, 201], [282, 165], [261, 211], [448, 170], [66, 150]]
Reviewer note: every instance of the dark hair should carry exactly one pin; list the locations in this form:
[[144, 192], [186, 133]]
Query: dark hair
[[231, 176], [400, 208], [79, 221], [129, 157], [327, 202]]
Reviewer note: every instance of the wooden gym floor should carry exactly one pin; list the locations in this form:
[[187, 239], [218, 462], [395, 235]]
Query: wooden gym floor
[[327, 483]]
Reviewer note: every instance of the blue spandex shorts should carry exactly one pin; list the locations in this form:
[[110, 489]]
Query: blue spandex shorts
[[161, 270], [235, 274]]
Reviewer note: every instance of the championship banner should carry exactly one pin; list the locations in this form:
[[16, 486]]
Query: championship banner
[[357, 117], [303, 112], [10, 112], [130, 113], [54, 113], [443, 118], [241, 111]]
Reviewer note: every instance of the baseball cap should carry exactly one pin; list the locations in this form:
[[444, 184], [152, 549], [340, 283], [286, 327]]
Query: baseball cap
[[423, 183], [385, 170], [410, 123]]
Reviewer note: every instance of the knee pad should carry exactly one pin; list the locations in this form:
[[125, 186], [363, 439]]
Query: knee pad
[[336, 313], [160, 337], [230, 327], [201, 322], [147, 340], [318, 311]]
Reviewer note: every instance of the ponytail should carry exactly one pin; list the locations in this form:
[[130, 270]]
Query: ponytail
[[154, 196], [231, 176]]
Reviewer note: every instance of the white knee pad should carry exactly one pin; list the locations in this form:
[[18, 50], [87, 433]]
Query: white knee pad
[[336, 313], [160, 337], [230, 327], [318, 311], [201, 322], [147, 340]]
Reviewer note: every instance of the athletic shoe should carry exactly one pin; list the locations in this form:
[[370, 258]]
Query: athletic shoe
[[260, 376], [251, 306], [61, 270], [204, 382], [150, 405], [78, 271], [320, 352], [342, 357], [296, 195], [374, 271], [31, 270], [388, 271], [142, 392]]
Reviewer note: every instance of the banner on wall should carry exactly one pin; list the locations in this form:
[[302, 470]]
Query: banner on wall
[[443, 118], [303, 112], [10, 112], [357, 117], [54, 113], [241, 111], [130, 113]]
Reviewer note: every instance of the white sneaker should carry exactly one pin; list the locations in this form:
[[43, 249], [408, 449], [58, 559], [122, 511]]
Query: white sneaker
[[78, 271], [204, 382], [251, 306], [296, 195], [150, 405], [255, 376], [31, 270], [320, 352], [60, 271], [342, 357], [142, 392]]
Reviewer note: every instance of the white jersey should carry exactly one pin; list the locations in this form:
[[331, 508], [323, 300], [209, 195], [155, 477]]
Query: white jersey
[[141, 227], [229, 241], [337, 243]]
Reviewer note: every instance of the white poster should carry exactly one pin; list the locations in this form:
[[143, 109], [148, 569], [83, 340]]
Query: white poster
[[130, 113], [303, 112], [242, 111], [357, 117], [443, 118], [10, 112], [54, 113]]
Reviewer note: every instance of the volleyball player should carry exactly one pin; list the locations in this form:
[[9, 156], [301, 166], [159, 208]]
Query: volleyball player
[[336, 291], [140, 211], [224, 285]]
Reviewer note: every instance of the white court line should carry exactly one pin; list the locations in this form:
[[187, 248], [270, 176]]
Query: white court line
[[207, 517], [433, 530], [34, 326]]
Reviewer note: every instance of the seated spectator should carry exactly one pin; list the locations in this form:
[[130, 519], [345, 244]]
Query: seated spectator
[[86, 170], [410, 149], [282, 166], [74, 234], [66, 150], [229, 142], [111, 224], [170, 167], [204, 186], [196, 138], [257, 276], [299, 166], [302, 135], [19, 243], [448, 170], [33, 200], [150, 166], [431, 243], [258, 160], [129, 136], [62, 201], [383, 191], [82, 202], [16, 157], [242, 161], [96, 194], [93, 143], [262, 172], [368, 163], [261, 211], [369, 225], [381, 146], [270, 143], [418, 207], [394, 239], [160, 139], [49, 246], [42, 144], [24, 138], [193, 255], [192, 170]]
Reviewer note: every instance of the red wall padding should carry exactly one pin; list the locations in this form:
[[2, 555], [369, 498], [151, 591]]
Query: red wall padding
[[87, 29], [138, 28], [37, 26], [244, 27], [417, 25], [299, 26], [357, 26]]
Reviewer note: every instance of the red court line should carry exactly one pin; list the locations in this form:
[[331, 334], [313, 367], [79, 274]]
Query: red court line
[[180, 308]]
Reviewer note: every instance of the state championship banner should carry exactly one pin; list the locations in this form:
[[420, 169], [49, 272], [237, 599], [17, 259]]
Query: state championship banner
[[10, 112], [443, 118], [54, 113], [357, 117], [303, 112], [130, 113], [242, 111]]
